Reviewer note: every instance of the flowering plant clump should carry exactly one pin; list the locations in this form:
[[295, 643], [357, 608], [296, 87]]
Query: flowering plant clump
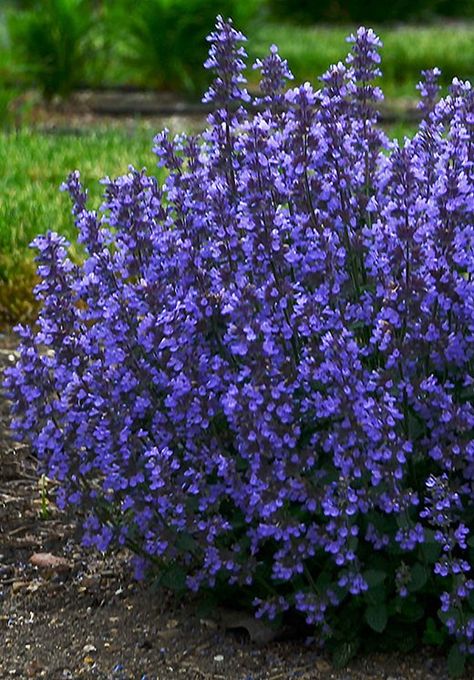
[[260, 378]]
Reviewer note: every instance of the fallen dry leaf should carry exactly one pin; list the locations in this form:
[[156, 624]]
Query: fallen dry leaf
[[50, 562], [19, 585]]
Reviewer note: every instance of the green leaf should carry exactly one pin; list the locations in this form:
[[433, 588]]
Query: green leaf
[[241, 464], [192, 504], [408, 641], [411, 610], [403, 521], [185, 542], [456, 662], [432, 634], [430, 549], [344, 652], [377, 617], [374, 577], [323, 581], [416, 426], [376, 595], [418, 577], [174, 578], [207, 605], [470, 543]]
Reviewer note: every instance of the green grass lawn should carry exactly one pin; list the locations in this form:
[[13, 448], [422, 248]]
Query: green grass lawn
[[32, 167], [34, 164]]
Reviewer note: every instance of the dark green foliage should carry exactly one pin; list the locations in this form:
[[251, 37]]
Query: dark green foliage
[[456, 661], [376, 616], [369, 10], [165, 40], [51, 42]]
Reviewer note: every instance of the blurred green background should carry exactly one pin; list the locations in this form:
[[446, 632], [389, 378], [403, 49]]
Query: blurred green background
[[51, 49], [57, 46]]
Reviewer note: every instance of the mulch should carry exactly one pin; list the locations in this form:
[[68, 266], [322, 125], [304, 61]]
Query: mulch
[[92, 620]]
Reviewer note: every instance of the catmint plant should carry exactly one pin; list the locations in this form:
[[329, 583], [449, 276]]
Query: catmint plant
[[260, 377]]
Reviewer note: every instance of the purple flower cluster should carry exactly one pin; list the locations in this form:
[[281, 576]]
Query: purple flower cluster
[[263, 369]]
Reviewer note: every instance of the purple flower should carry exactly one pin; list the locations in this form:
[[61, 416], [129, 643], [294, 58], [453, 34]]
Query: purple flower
[[261, 371]]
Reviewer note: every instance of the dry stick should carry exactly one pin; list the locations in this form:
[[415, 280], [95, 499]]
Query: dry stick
[[18, 530]]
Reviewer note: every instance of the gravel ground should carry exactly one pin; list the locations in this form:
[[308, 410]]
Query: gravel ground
[[80, 614]]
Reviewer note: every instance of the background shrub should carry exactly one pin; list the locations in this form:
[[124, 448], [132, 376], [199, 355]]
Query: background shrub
[[261, 374], [52, 43], [368, 10], [165, 40], [161, 43]]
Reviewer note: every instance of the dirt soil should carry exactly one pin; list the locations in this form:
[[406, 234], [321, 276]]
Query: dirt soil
[[112, 107], [85, 617]]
